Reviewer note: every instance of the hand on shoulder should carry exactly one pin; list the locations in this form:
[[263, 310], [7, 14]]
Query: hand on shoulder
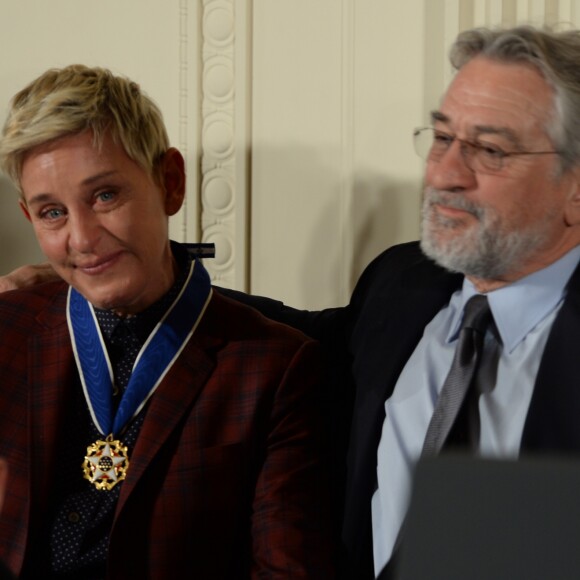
[[27, 276]]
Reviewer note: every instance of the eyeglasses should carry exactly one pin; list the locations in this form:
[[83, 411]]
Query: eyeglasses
[[479, 156]]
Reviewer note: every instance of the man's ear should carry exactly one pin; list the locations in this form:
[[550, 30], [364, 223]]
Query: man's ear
[[24, 209], [172, 174]]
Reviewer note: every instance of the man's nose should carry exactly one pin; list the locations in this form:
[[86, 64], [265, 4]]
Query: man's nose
[[452, 171]]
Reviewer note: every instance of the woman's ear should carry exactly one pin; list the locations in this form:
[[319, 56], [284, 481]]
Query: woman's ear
[[172, 174], [24, 209]]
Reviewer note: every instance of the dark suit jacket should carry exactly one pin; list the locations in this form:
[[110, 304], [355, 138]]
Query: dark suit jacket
[[396, 297], [225, 480], [5, 574]]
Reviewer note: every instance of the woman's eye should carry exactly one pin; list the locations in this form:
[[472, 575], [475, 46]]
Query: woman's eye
[[106, 195], [52, 214]]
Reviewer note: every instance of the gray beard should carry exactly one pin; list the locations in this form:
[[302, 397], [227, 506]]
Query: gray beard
[[489, 250]]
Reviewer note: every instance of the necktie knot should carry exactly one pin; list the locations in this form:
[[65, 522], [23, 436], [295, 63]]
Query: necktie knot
[[476, 314]]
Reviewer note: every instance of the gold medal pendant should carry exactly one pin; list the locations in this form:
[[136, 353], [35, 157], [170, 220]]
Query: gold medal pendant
[[106, 463]]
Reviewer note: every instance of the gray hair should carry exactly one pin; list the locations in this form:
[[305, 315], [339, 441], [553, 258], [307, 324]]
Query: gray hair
[[556, 55]]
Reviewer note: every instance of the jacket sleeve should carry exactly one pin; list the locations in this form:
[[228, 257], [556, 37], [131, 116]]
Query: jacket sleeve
[[323, 325], [330, 327], [292, 523]]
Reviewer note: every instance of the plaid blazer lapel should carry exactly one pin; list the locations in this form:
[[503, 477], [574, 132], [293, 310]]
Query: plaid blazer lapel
[[171, 402]]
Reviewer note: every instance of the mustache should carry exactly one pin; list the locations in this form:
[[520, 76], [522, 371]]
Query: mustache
[[433, 196]]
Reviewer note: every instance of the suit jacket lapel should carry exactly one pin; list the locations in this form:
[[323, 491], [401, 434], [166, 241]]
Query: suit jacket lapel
[[552, 423], [399, 322], [391, 325]]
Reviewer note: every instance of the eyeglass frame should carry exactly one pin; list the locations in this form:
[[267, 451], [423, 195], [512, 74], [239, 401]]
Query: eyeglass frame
[[470, 150]]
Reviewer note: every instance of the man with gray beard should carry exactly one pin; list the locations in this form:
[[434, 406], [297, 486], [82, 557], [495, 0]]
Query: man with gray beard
[[500, 221]]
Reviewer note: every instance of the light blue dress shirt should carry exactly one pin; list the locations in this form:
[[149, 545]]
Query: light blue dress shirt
[[523, 312]]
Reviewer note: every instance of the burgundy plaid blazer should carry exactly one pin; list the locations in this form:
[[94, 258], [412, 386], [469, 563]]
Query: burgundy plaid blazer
[[226, 478]]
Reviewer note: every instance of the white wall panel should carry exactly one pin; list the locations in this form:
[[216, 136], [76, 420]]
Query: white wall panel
[[334, 178], [296, 149], [388, 104]]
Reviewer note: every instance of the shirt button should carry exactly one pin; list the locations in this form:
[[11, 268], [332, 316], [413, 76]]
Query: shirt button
[[74, 517]]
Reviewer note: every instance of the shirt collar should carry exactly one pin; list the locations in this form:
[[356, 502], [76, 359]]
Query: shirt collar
[[518, 307]]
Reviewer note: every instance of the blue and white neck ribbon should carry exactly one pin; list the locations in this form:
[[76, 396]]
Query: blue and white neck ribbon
[[153, 362]]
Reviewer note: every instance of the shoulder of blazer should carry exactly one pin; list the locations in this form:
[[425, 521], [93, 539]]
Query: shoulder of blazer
[[228, 319], [404, 264], [44, 304], [325, 325]]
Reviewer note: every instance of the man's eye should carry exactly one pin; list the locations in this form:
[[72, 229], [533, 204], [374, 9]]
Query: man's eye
[[442, 139], [490, 150]]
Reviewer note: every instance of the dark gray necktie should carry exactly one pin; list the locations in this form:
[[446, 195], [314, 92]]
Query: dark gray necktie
[[476, 319]]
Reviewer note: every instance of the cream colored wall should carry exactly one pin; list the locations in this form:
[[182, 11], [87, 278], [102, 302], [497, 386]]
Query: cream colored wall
[[295, 117], [334, 178]]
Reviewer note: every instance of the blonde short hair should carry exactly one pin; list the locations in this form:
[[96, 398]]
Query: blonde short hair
[[77, 98]]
